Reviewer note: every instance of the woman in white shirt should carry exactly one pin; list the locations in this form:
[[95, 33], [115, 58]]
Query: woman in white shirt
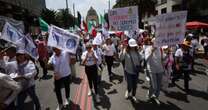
[[90, 59], [109, 52]]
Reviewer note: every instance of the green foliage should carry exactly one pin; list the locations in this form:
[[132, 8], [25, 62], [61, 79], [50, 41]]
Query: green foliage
[[61, 18]]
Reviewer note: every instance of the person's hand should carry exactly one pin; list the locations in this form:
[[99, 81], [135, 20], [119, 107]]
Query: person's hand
[[57, 76]]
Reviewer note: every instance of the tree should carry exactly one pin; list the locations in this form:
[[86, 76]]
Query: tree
[[65, 19], [145, 7], [49, 16]]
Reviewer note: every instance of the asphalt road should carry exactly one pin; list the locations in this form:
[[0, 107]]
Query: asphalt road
[[112, 93]]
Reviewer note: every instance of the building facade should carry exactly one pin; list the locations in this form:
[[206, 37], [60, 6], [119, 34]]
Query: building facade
[[34, 7], [167, 6]]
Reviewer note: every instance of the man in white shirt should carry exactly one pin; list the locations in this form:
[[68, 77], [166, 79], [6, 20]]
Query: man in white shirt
[[60, 61]]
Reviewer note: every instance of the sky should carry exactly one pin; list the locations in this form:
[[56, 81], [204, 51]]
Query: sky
[[80, 5]]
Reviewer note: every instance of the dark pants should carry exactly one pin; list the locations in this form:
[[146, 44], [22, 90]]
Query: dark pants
[[132, 83], [109, 62], [43, 65], [23, 95], [58, 85], [92, 76], [186, 77]]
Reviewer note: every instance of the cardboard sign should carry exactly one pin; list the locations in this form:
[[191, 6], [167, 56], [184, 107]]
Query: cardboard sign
[[122, 19], [170, 28], [63, 39]]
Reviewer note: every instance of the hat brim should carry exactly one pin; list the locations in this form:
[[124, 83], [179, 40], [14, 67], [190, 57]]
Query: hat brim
[[133, 45]]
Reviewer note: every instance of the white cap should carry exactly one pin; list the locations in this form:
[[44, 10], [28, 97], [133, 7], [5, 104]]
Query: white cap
[[21, 51], [132, 43]]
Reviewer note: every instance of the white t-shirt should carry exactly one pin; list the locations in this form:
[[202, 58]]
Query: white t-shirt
[[179, 53], [109, 50], [61, 64], [90, 59]]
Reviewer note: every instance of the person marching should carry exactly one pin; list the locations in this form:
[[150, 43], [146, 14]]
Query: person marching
[[183, 63], [109, 52], [60, 61], [154, 60], [132, 60], [90, 59]]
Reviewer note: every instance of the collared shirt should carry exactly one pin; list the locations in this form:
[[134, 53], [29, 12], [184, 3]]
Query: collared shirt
[[61, 64], [90, 59], [109, 50]]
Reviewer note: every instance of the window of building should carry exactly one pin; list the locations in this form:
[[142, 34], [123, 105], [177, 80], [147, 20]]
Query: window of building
[[164, 10], [176, 8], [163, 1]]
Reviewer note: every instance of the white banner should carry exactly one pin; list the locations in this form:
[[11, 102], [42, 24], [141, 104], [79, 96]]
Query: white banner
[[170, 28], [63, 39], [122, 19], [29, 46], [11, 34], [17, 24]]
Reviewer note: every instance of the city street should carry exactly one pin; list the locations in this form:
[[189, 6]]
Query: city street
[[112, 93]]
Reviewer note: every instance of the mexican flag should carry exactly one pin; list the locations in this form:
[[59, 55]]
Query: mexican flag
[[43, 25]]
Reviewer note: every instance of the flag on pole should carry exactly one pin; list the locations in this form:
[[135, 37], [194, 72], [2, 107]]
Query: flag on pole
[[43, 25], [85, 26]]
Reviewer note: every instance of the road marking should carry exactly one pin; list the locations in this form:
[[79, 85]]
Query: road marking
[[84, 95], [78, 91]]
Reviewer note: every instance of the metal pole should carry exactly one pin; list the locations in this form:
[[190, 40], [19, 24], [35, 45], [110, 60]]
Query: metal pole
[[74, 9], [67, 7], [109, 4]]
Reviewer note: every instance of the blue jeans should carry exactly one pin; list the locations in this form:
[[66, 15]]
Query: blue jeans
[[132, 80], [155, 84], [23, 95]]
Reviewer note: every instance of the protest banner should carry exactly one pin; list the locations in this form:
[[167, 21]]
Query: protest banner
[[17, 24], [122, 19], [10, 33], [170, 28], [63, 39], [26, 44]]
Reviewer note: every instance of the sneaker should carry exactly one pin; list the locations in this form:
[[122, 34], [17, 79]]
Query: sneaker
[[59, 107], [67, 102], [89, 93], [97, 98], [126, 94], [147, 78], [157, 100], [134, 99]]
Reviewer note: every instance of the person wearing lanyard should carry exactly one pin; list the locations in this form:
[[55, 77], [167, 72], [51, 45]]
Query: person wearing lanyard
[[109, 52], [60, 61], [90, 59]]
